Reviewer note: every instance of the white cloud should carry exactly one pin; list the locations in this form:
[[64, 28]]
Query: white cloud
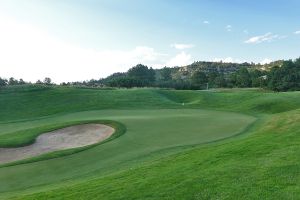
[[180, 59], [233, 60], [206, 22], [228, 28], [144, 54], [227, 60], [297, 32], [29, 53], [266, 61], [268, 37], [182, 46]]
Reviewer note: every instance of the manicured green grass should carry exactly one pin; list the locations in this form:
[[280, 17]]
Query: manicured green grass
[[43, 101], [25, 103], [147, 131], [266, 165], [246, 101], [168, 150]]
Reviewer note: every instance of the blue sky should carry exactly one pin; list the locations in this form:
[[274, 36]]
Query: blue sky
[[72, 40]]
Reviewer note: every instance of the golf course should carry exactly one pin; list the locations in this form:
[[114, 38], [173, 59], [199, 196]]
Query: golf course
[[159, 143]]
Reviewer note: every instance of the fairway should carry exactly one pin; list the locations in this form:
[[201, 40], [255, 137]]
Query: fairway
[[147, 131], [212, 135]]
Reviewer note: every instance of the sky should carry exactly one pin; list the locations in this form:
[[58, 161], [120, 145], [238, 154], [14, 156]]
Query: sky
[[76, 40]]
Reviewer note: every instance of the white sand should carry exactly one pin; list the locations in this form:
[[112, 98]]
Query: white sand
[[66, 138]]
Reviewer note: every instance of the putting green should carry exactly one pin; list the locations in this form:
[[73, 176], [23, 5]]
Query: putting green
[[148, 132]]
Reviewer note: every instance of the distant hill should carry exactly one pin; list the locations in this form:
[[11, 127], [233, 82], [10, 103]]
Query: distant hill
[[218, 67], [278, 76]]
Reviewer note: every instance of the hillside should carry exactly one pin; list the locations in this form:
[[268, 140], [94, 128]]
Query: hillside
[[277, 76], [219, 67]]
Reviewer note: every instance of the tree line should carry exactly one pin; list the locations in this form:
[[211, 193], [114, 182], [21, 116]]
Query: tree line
[[197, 80], [282, 76], [285, 76], [12, 81]]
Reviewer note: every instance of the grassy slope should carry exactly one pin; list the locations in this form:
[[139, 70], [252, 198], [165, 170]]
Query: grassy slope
[[19, 103], [31, 102], [205, 172]]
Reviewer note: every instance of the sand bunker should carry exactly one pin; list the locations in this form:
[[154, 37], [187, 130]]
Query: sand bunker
[[66, 138]]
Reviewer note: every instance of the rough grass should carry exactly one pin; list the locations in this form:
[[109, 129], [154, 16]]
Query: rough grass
[[153, 160]]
